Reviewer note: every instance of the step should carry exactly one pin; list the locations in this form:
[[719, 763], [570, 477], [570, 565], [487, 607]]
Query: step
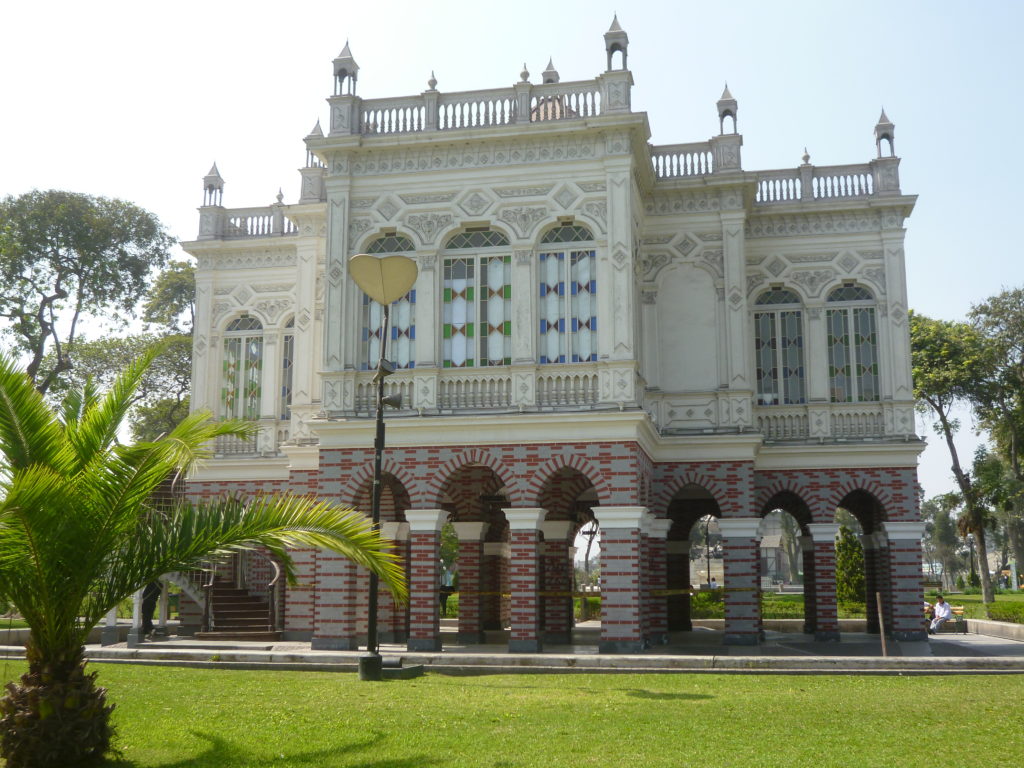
[[238, 635]]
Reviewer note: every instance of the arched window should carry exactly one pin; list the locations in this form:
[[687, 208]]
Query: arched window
[[779, 348], [568, 324], [401, 351], [476, 310], [241, 385], [287, 367], [852, 345]]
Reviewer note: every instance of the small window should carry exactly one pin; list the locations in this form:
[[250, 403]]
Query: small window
[[567, 233], [477, 238]]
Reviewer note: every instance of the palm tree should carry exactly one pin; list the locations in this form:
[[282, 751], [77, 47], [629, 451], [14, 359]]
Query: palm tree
[[80, 531]]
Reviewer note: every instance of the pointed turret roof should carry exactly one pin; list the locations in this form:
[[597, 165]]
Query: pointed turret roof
[[214, 173], [317, 131], [726, 96], [615, 24]]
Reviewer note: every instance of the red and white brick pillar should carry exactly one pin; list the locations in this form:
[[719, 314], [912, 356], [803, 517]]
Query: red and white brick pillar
[[393, 620], [677, 579], [425, 578], [621, 573], [869, 543], [826, 616], [741, 538], [556, 602], [471, 588], [656, 582], [905, 579], [337, 603], [810, 601], [526, 579]]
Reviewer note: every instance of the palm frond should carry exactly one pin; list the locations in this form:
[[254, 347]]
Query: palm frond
[[29, 432]]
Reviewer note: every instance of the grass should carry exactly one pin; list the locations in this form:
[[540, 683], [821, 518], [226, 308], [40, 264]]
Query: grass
[[171, 717], [8, 623], [974, 608]]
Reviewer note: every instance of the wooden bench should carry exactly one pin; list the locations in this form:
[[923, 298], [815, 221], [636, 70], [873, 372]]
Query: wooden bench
[[955, 623]]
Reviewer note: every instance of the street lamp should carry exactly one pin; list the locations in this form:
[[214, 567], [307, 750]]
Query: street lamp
[[385, 280]]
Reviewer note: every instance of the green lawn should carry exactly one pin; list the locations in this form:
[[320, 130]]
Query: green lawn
[[171, 717], [973, 607]]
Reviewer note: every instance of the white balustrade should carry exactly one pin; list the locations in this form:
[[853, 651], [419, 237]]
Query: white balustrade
[[566, 388], [366, 392], [459, 390], [778, 186], [857, 420], [673, 161], [564, 101], [842, 181], [782, 423], [233, 445], [476, 109], [403, 115], [256, 222]]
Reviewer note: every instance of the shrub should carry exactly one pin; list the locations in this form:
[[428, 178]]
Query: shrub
[[593, 604], [707, 604], [1012, 612]]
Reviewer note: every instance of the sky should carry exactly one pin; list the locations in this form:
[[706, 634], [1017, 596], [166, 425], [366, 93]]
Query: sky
[[137, 100]]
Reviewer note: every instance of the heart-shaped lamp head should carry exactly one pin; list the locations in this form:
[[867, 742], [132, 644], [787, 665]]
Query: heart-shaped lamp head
[[385, 279]]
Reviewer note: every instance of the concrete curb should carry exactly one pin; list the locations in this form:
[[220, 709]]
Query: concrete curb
[[476, 664]]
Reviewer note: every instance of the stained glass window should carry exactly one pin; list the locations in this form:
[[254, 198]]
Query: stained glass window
[[401, 348], [567, 329], [242, 369], [477, 303], [852, 346], [779, 349]]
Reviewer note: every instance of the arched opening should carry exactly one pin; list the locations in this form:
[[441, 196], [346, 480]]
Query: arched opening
[[569, 498], [695, 573], [788, 589], [863, 516], [475, 555]]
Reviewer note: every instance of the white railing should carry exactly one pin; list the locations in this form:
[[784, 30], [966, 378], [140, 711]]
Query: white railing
[[474, 391], [843, 181], [366, 393], [232, 445], [405, 115], [673, 161], [566, 388], [782, 423], [564, 101], [254, 222], [476, 109], [857, 420], [778, 186]]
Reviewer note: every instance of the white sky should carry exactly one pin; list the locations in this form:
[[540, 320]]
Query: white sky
[[136, 100]]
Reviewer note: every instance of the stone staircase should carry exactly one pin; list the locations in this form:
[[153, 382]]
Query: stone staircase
[[237, 615]]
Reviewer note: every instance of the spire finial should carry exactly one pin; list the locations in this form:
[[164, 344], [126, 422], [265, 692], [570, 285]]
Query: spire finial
[[432, 82], [280, 196], [806, 158], [550, 75], [524, 76]]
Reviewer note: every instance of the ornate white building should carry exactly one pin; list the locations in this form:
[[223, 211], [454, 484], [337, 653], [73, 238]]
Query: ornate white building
[[601, 326]]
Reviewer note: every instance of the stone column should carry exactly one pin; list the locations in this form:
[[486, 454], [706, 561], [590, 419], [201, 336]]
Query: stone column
[[810, 586], [525, 579], [657, 580], [869, 544], [741, 541], [621, 630], [677, 559], [905, 579], [425, 578], [109, 634], [393, 620], [135, 638], [556, 602], [494, 580], [336, 605], [471, 556], [826, 626]]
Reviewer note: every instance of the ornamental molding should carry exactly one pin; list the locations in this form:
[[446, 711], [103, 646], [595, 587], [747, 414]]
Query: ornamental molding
[[810, 258], [710, 237], [428, 198], [657, 239], [667, 204], [876, 275], [651, 264], [269, 257], [387, 209], [649, 296], [524, 257], [474, 203], [813, 280], [598, 211], [429, 225], [523, 191], [427, 261], [592, 186], [273, 287], [753, 281], [713, 258], [871, 255], [472, 155], [357, 226], [273, 308], [362, 202], [523, 220], [812, 224]]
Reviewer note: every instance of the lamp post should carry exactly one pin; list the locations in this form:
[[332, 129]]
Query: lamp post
[[385, 280], [707, 546]]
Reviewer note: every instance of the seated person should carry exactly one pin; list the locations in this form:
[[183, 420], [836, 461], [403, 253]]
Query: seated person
[[942, 613]]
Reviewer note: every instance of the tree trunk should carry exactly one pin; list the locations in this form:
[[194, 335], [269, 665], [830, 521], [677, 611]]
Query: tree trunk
[[57, 716], [987, 595]]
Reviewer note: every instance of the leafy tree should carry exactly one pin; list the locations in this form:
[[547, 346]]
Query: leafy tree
[[81, 528], [941, 540], [949, 361], [1000, 489], [162, 397], [63, 256], [850, 585], [171, 302]]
